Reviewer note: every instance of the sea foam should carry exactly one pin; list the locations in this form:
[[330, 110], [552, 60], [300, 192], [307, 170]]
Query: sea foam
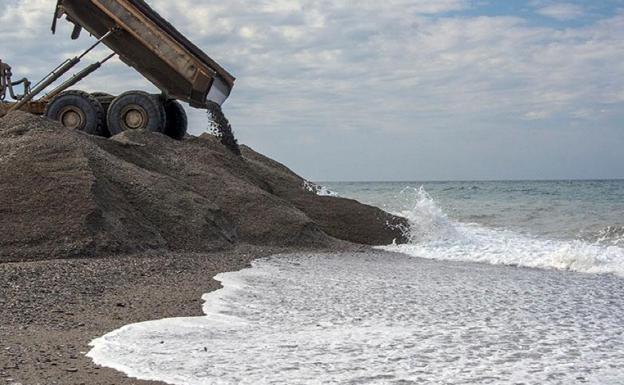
[[384, 319], [434, 236]]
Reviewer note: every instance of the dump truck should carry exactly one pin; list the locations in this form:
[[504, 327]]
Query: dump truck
[[145, 41]]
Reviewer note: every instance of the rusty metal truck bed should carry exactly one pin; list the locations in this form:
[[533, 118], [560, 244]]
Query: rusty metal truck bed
[[151, 45]]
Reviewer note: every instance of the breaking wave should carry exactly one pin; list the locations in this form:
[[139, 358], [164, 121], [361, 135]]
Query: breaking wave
[[613, 235], [318, 189], [433, 235]]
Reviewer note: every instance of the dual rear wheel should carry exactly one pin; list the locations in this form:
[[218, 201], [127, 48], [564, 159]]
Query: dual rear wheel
[[105, 115]]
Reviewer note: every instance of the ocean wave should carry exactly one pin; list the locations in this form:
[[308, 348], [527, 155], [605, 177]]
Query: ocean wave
[[433, 235], [462, 188], [611, 234], [318, 189], [428, 222]]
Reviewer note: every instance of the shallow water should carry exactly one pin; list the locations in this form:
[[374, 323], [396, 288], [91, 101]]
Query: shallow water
[[386, 319]]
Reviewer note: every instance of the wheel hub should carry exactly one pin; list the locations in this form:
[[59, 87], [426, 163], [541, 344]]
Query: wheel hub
[[134, 117], [72, 117]]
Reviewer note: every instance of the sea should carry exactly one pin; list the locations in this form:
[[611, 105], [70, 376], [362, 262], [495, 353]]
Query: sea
[[512, 282]]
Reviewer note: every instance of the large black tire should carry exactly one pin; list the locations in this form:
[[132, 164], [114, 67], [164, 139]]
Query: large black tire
[[136, 110], [177, 121], [78, 110]]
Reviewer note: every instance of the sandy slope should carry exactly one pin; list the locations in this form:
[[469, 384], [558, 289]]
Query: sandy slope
[[67, 194]]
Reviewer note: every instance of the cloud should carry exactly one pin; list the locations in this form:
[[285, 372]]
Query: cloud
[[369, 69], [22, 19], [308, 62], [561, 11]]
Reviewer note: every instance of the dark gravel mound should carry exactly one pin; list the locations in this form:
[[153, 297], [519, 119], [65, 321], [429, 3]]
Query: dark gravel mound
[[66, 194]]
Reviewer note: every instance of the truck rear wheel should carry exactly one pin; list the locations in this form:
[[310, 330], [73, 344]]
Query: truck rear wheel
[[78, 110], [136, 110], [177, 121]]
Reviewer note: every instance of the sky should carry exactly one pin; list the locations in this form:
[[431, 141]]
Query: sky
[[391, 90]]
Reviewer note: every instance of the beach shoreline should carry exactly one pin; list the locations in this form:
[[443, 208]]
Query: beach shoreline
[[315, 317], [51, 310]]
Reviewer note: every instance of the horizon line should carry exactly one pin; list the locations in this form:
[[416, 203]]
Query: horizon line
[[475, 180]]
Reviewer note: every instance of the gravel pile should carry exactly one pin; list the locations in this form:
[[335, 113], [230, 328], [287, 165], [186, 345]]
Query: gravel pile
[[65, 194]]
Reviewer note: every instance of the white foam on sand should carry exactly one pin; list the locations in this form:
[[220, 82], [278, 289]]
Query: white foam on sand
[[434, 236], [385, 319]]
